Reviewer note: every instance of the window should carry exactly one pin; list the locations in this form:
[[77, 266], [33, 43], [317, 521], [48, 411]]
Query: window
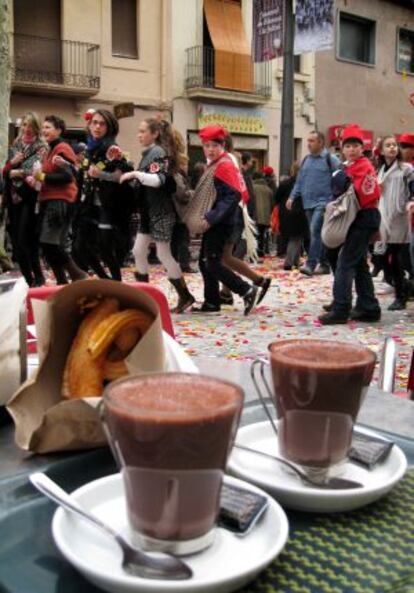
[[124, 28], [297, 64], [405, 51], [356, 39]]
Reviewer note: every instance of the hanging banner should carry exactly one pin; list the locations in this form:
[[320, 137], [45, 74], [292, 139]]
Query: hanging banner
[[314, 21], [267, 40]]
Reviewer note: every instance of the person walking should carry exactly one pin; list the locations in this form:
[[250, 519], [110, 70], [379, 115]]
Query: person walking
[[263, 208], [396, 180], [293, 222], [222, 179], [314, 186], [57, 199], [102, 224], [406, 142], [352, 259], [160, 160], [236, 245], [26, 153]]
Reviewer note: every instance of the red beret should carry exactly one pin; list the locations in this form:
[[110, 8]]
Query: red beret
[[352, 132], [213, 133], [407, 139], [267, 170]]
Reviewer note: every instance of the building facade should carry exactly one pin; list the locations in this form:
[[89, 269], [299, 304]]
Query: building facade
[[368, 77], [188, 59]]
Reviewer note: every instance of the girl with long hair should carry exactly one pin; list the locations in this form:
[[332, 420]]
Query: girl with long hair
[[26, 154], [396, 180], [161, 158]]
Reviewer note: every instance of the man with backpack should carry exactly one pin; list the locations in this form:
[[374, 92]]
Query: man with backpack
[[314, 186]]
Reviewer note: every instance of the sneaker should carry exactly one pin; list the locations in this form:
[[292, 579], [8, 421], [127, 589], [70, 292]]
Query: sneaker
[[226, 299], [206, 308], [332, 319], [250, 299], [322, 269], [287, 267], [397, 305], [369, 316], [306, 270], [263, 288]]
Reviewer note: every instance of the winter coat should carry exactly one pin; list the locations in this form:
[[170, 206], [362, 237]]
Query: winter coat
[[293, 223], [263, 201], [395, 195]]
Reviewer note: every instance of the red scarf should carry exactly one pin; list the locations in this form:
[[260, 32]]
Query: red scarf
[[365, 182], [228, 173]]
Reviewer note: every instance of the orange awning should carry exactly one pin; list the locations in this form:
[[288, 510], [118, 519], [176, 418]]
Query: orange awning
[[233, 63]]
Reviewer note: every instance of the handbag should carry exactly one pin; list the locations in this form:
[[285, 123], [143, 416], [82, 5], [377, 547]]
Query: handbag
[[339, 215], [202, 201]]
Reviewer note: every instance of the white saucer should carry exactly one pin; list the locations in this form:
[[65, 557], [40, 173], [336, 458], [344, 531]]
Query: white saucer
[[292, 493], [228, 564]]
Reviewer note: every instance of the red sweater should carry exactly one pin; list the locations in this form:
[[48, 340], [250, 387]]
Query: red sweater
[[68, 191], [365, 182]]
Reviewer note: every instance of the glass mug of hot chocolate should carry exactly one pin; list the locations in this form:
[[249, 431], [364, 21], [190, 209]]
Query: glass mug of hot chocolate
[[171, 434], [318, 389]]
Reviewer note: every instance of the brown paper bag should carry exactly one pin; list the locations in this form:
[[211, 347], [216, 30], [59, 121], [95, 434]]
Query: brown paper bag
[[44, 421]]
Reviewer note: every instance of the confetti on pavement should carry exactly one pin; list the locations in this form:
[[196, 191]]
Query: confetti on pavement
[[289, 310]]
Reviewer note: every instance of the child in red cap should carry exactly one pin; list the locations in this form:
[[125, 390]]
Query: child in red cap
[[222, 178], [352, 260]]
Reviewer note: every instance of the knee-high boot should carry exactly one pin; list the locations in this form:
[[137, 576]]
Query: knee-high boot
[[141, 277], [74, 272], [185, 298]]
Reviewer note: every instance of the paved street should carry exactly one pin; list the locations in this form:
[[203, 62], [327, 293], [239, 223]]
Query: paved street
[[290, 309]]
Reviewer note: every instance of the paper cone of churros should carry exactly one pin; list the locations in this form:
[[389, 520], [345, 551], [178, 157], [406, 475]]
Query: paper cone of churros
[[89, 333]]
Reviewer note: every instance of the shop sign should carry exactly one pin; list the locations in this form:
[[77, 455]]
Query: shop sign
[[236, 120], [124, 110]]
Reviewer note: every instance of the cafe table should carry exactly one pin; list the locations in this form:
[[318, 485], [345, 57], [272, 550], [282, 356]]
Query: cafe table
[[369, 550]]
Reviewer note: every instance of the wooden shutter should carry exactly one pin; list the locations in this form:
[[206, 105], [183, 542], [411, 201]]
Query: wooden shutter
[[41, 52], [233, 64], [124, 28]]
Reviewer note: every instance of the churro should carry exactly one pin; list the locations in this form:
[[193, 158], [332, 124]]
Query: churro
[[83, 375]]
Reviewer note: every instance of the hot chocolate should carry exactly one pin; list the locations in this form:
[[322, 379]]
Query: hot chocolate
[[173, 433], [319, 386]]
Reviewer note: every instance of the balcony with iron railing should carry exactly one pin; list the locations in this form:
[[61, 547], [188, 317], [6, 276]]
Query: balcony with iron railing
[[55, 65], [201, 81]]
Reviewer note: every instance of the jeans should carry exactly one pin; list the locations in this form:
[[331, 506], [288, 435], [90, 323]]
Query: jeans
[[352, 265], [316, 253], [212, 269]]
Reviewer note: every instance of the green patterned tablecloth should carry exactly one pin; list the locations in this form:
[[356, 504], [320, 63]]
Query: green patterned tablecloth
[[366, 551]]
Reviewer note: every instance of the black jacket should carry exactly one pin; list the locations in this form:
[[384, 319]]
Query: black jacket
[[226, 205], [293, 223]]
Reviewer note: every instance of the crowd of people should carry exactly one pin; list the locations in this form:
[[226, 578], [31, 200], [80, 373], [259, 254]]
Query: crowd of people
[[84, 210]]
